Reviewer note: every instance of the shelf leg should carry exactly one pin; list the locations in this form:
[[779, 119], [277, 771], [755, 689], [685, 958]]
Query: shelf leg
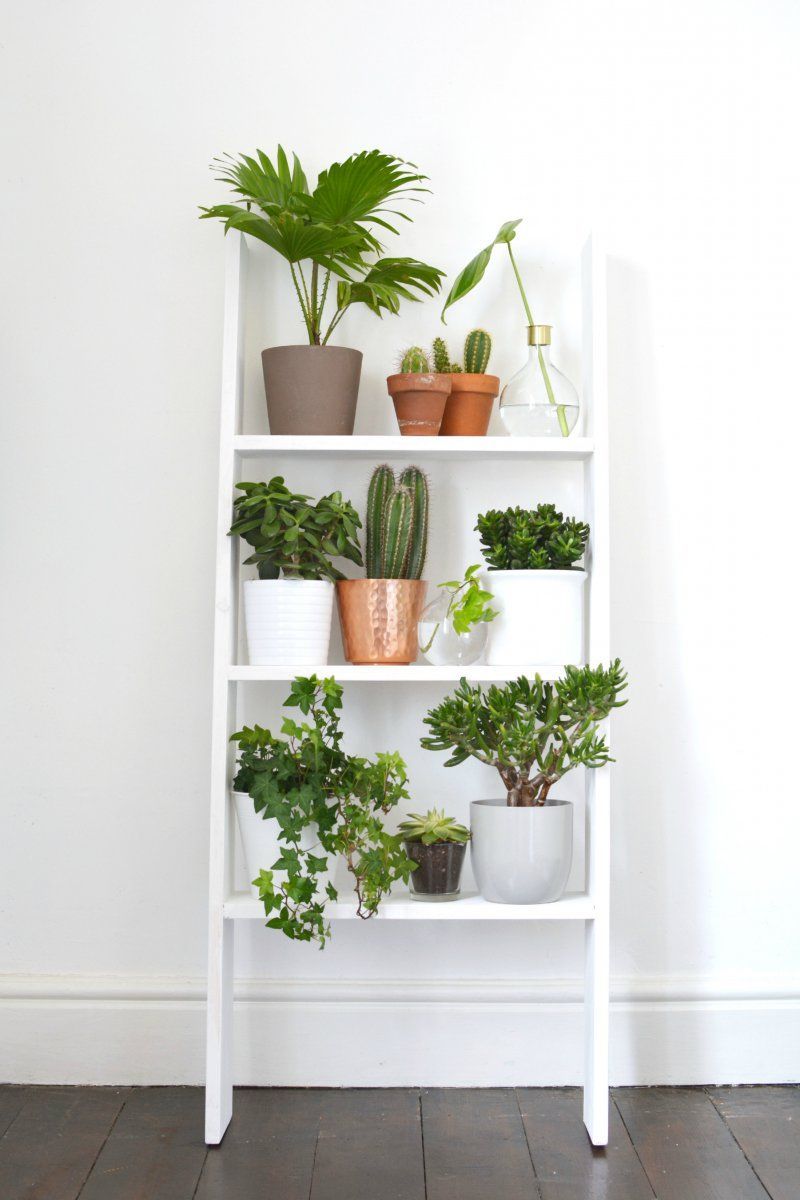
[[595, 1088], [219, 1030]]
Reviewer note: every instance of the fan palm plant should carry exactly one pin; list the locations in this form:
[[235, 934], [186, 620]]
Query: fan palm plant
[[331, 229]]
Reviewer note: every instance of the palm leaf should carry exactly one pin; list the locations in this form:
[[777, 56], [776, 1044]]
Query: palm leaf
[[474, 271], [389, 281], [359, 188]]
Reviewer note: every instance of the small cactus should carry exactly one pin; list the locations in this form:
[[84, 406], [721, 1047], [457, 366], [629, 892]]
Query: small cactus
[[397, 524], [441, 356], [456, 368], [477, 350], [415, 362]]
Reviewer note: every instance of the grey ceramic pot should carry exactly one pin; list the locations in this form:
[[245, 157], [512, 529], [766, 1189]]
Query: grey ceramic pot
[[311, 389], [521, 855]]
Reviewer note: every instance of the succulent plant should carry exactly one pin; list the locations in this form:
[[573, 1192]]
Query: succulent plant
[[415, 361], [397, 524], [434, 826], [477, 351], [441, 356], [521, 539], [455, 368]]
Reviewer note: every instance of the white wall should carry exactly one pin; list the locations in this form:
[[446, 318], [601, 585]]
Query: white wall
[[673, 126]]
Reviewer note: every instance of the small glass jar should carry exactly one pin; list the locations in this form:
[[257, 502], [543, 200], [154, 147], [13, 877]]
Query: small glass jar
[[438, 640], [539, 401]]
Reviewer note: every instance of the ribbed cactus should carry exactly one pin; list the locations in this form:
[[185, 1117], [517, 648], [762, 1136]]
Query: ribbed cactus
[[415, 361], [441, 356], [477, 349], [397, 524]]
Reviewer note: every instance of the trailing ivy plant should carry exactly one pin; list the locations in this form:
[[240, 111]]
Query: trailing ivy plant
[[468, 604], [522, 539], [332, 228], [530, 731], [293, 536], [304, 779]]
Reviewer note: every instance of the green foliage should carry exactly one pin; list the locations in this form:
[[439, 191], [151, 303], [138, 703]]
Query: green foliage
[[455, 369], [331, 227], [532, 732], [468, 604], [477, 351], [291, 535], [441, 356], [415, 361], [475, 269], [434, 826], [397, 524], [522, 539], [304, 779]]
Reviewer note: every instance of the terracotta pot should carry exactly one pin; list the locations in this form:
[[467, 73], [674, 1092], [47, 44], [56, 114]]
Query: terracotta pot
[[419, 402], [469, 405], [311, 389], [379, 618]]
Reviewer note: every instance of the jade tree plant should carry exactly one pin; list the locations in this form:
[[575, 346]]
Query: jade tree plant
[[533, 559], [288, 608], [323, 804]]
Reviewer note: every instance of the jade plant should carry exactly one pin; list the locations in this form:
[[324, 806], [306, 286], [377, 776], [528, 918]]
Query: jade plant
[[468, 604], [474, 272], [304, 779], [477, 351], [520, 539], [532, 732], [432, 827], [292, 535], [397, 524], [331, 228]]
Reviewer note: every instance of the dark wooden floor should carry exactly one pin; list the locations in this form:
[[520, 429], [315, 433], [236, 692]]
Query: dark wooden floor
[[59, 1143]]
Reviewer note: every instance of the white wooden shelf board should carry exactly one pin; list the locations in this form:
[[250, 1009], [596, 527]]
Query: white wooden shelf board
[[415, 673], [571, 907], [397, 447]]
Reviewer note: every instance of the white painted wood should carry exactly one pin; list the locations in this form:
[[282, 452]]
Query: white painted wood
[[219, 1029], [349, 672], [471, 907], [397, 447], [598, 834]]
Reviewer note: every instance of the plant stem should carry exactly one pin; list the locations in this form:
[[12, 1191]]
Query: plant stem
[[315, 312], [337, 316], [306, 317], [562, 416], [325, 283], [528, 312]]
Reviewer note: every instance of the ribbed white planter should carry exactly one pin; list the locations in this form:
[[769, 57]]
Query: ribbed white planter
[[521, 855], [540, 617], [261, 845], [288, 621]]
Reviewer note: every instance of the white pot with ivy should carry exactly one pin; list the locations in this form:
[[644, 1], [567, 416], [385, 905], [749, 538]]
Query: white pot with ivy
[[537, 583], [453, 628], [288, 608]]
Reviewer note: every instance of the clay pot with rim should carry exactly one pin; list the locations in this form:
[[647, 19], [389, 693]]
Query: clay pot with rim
[[379, 619], [311, 389], [469, 405], [419, 402]]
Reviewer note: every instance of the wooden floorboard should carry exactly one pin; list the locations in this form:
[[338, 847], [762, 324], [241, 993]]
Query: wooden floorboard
[[12, 1098], [766, 1124], [48, 1149], [685, 1146], [268, 1151], [369, 1146], [155, 1150], [475, 1146], [567, 1166]]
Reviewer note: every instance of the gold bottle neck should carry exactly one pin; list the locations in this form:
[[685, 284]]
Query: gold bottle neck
[[539, 335]]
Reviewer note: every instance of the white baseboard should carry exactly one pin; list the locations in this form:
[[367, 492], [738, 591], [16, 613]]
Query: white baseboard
[[381, 1033]]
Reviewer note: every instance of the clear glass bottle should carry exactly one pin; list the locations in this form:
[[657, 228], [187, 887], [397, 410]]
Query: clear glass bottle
[[539, 401]]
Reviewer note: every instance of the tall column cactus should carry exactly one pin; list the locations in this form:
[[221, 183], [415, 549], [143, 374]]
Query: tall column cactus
[[477, 349], [397, 524], [441, 356]]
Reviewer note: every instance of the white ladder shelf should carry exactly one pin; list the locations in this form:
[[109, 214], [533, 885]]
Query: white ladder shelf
[[225, 906]]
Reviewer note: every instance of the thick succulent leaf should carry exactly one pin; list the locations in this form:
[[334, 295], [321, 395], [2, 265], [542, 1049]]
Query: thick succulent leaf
[[475, 270]]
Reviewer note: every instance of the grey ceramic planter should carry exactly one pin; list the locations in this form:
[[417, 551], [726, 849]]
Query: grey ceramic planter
[[521, 855], [311, 389]]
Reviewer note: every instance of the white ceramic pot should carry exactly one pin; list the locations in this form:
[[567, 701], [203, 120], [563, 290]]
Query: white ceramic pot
[[539, 617], [261, 845], [288, 621], [521, 855]]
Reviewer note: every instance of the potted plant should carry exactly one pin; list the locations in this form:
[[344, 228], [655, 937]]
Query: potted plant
[[379, 614], [538, 589], [472, 391], [327, 236], [532, 733], [288, 608], [419, 394], [539, 400], [453, 627], [322, 805], [437, 844]]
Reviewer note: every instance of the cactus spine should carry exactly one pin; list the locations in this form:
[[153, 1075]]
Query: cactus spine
[[415, 362], [441, 356], [477, 349], [397, 524]]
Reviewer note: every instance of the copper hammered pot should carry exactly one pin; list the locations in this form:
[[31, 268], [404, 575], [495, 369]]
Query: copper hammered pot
[[379, 618]]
